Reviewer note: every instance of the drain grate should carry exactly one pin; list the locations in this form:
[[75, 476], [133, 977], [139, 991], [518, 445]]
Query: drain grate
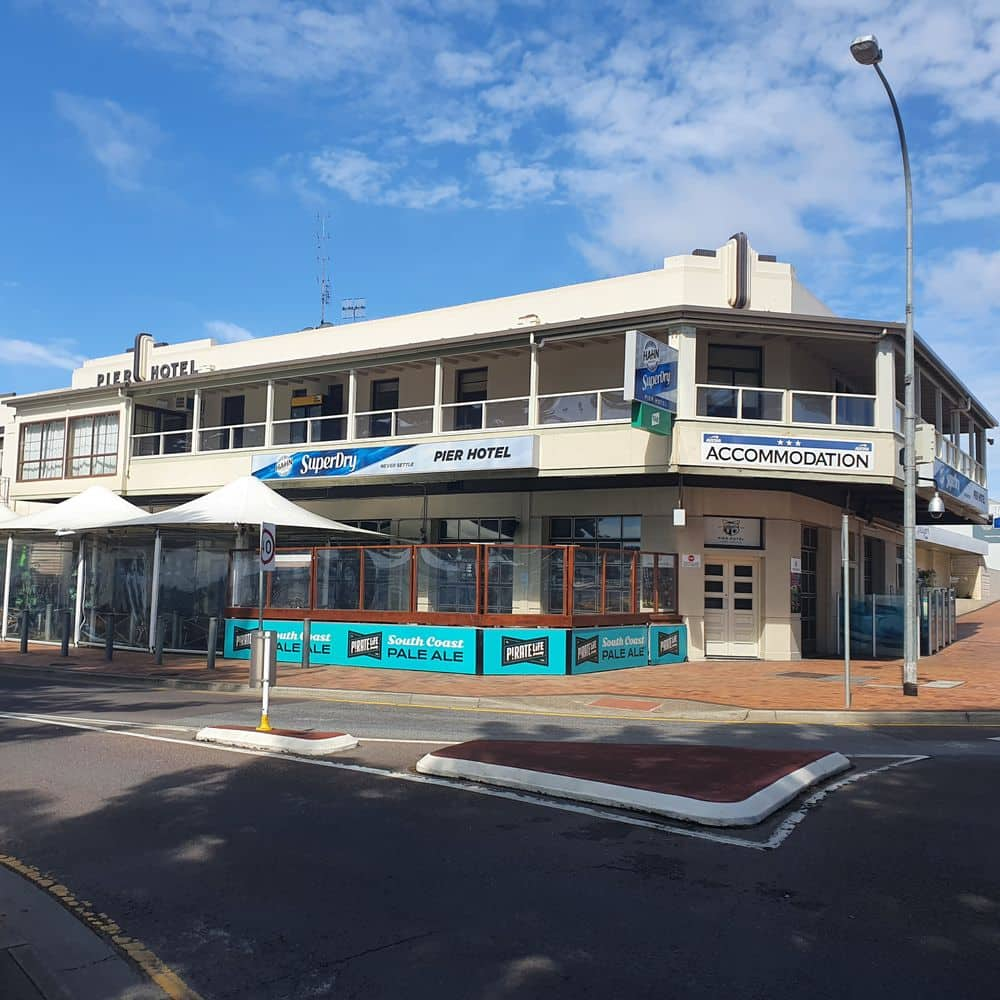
[[807, 675]]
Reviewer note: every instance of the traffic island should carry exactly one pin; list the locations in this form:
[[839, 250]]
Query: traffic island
[[710, 785], [305, 742]]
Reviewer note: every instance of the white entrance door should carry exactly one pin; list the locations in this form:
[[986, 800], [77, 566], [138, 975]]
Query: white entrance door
[[732, 607]]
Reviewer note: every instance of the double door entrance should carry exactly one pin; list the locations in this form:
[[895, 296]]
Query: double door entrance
[[732, 606]]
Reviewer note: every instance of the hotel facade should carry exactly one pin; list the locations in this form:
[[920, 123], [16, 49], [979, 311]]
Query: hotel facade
[[506, 424]]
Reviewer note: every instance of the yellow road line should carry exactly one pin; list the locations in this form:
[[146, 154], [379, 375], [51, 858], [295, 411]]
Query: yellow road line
[[134, 950]]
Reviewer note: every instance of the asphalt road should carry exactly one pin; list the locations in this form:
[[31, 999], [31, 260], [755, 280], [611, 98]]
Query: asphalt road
[[261, 877]]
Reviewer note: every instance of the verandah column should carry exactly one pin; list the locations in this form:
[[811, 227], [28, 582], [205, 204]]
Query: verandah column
[[6, 583]]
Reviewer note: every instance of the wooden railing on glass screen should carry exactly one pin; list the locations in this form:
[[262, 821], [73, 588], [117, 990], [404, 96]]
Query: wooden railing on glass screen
[[459, 584]]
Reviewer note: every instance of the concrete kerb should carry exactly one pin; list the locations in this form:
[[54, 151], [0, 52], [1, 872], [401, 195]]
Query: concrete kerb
[[284, 742], [746, 812], [547, 705]]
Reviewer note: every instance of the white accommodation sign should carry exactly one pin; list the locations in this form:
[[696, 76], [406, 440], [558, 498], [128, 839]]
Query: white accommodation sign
[[745, 451]]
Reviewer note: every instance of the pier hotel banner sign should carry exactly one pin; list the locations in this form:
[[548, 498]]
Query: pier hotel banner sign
[[485, 455], [746, 451]]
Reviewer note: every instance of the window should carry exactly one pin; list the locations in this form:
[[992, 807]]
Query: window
[[42, 447], [385, 397], [615, 534], [470, 387], [736, 366], [93, 445]]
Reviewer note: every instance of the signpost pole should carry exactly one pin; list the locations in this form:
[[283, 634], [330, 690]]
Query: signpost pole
[[267, 540], [845, 588]]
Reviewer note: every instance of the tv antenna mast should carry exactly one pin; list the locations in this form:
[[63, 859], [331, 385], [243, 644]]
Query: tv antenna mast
[[353, 308], [323, 263]]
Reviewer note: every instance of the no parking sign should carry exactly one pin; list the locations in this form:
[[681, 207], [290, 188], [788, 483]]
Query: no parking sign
[[267, 539]]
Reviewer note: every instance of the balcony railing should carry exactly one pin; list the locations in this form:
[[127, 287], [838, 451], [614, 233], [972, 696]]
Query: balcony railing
[[785, 406], [588, 406], [952, 455]]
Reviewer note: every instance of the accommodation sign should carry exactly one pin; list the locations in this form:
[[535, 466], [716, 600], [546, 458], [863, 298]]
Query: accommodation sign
[[745, 451], [485, 455]]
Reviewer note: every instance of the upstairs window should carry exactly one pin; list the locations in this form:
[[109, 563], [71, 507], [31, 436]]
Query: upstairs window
[[42, 447], [93, 445]]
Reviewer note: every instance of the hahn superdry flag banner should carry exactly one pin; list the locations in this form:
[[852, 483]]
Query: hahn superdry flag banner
[[744, 451], [485, 455]]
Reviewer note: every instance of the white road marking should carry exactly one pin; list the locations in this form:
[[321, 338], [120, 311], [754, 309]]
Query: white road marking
[[777, 838], [116, 722]]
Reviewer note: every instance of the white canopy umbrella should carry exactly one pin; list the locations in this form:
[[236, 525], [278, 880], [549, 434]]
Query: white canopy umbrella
[[244, 501], [96, 507], [7, 516]]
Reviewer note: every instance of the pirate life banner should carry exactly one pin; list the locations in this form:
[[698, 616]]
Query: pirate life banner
[[667, 644], [524, 651]]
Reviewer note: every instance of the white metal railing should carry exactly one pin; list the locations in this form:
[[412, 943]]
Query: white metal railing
[[587, 407], [404, 422], [509, 411], [559, 408], [949, 453], [232, 437], [307, 430], [785, 406], [161, 443]]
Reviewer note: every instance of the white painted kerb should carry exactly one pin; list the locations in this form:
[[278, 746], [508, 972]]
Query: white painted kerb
[[751, 810], [272, 741]]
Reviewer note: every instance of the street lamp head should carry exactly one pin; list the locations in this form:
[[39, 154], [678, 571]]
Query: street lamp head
[[866, 50]]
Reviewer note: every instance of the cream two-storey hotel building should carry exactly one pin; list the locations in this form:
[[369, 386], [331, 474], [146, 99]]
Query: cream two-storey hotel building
[[505, 422]]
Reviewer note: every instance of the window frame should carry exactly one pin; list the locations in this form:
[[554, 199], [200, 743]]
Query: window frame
[[68, 457], [40, 460]]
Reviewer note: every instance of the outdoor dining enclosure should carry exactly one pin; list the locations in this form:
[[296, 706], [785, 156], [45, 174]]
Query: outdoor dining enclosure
[[558, 585]]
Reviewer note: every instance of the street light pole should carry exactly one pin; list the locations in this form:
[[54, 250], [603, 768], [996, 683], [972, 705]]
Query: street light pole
[[866, 51]]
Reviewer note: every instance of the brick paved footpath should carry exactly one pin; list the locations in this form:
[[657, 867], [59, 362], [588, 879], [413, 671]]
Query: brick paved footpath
[[973, 660]]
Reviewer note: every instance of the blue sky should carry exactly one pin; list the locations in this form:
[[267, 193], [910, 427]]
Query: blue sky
[[165, 160]]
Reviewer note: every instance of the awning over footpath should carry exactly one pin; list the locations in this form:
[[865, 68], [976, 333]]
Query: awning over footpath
[[95, 507], [245, 501]]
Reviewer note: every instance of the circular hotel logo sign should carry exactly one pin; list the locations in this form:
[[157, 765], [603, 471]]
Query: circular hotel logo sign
[[651, 355], [284, 465]]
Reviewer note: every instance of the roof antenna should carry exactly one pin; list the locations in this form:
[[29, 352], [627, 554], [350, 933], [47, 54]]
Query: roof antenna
[[353, 308], [323, 261]]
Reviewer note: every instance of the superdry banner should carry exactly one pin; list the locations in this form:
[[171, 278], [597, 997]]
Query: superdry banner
[[485, 455], [743, 451], [650, 371]]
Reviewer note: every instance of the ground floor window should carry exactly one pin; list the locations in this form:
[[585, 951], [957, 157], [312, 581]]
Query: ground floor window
[[807, 589], [605, 541]]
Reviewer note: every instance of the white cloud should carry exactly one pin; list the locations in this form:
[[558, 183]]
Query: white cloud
[[465, 69], [980, 202], [352, 172], [35, 355], [363, 179], [221, 329], [121, 141], [964, 284], [513, 184]]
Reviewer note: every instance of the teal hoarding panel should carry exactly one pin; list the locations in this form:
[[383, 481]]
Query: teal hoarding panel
[[348, 644], [667, 643], [594, 649], [524, 651]]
